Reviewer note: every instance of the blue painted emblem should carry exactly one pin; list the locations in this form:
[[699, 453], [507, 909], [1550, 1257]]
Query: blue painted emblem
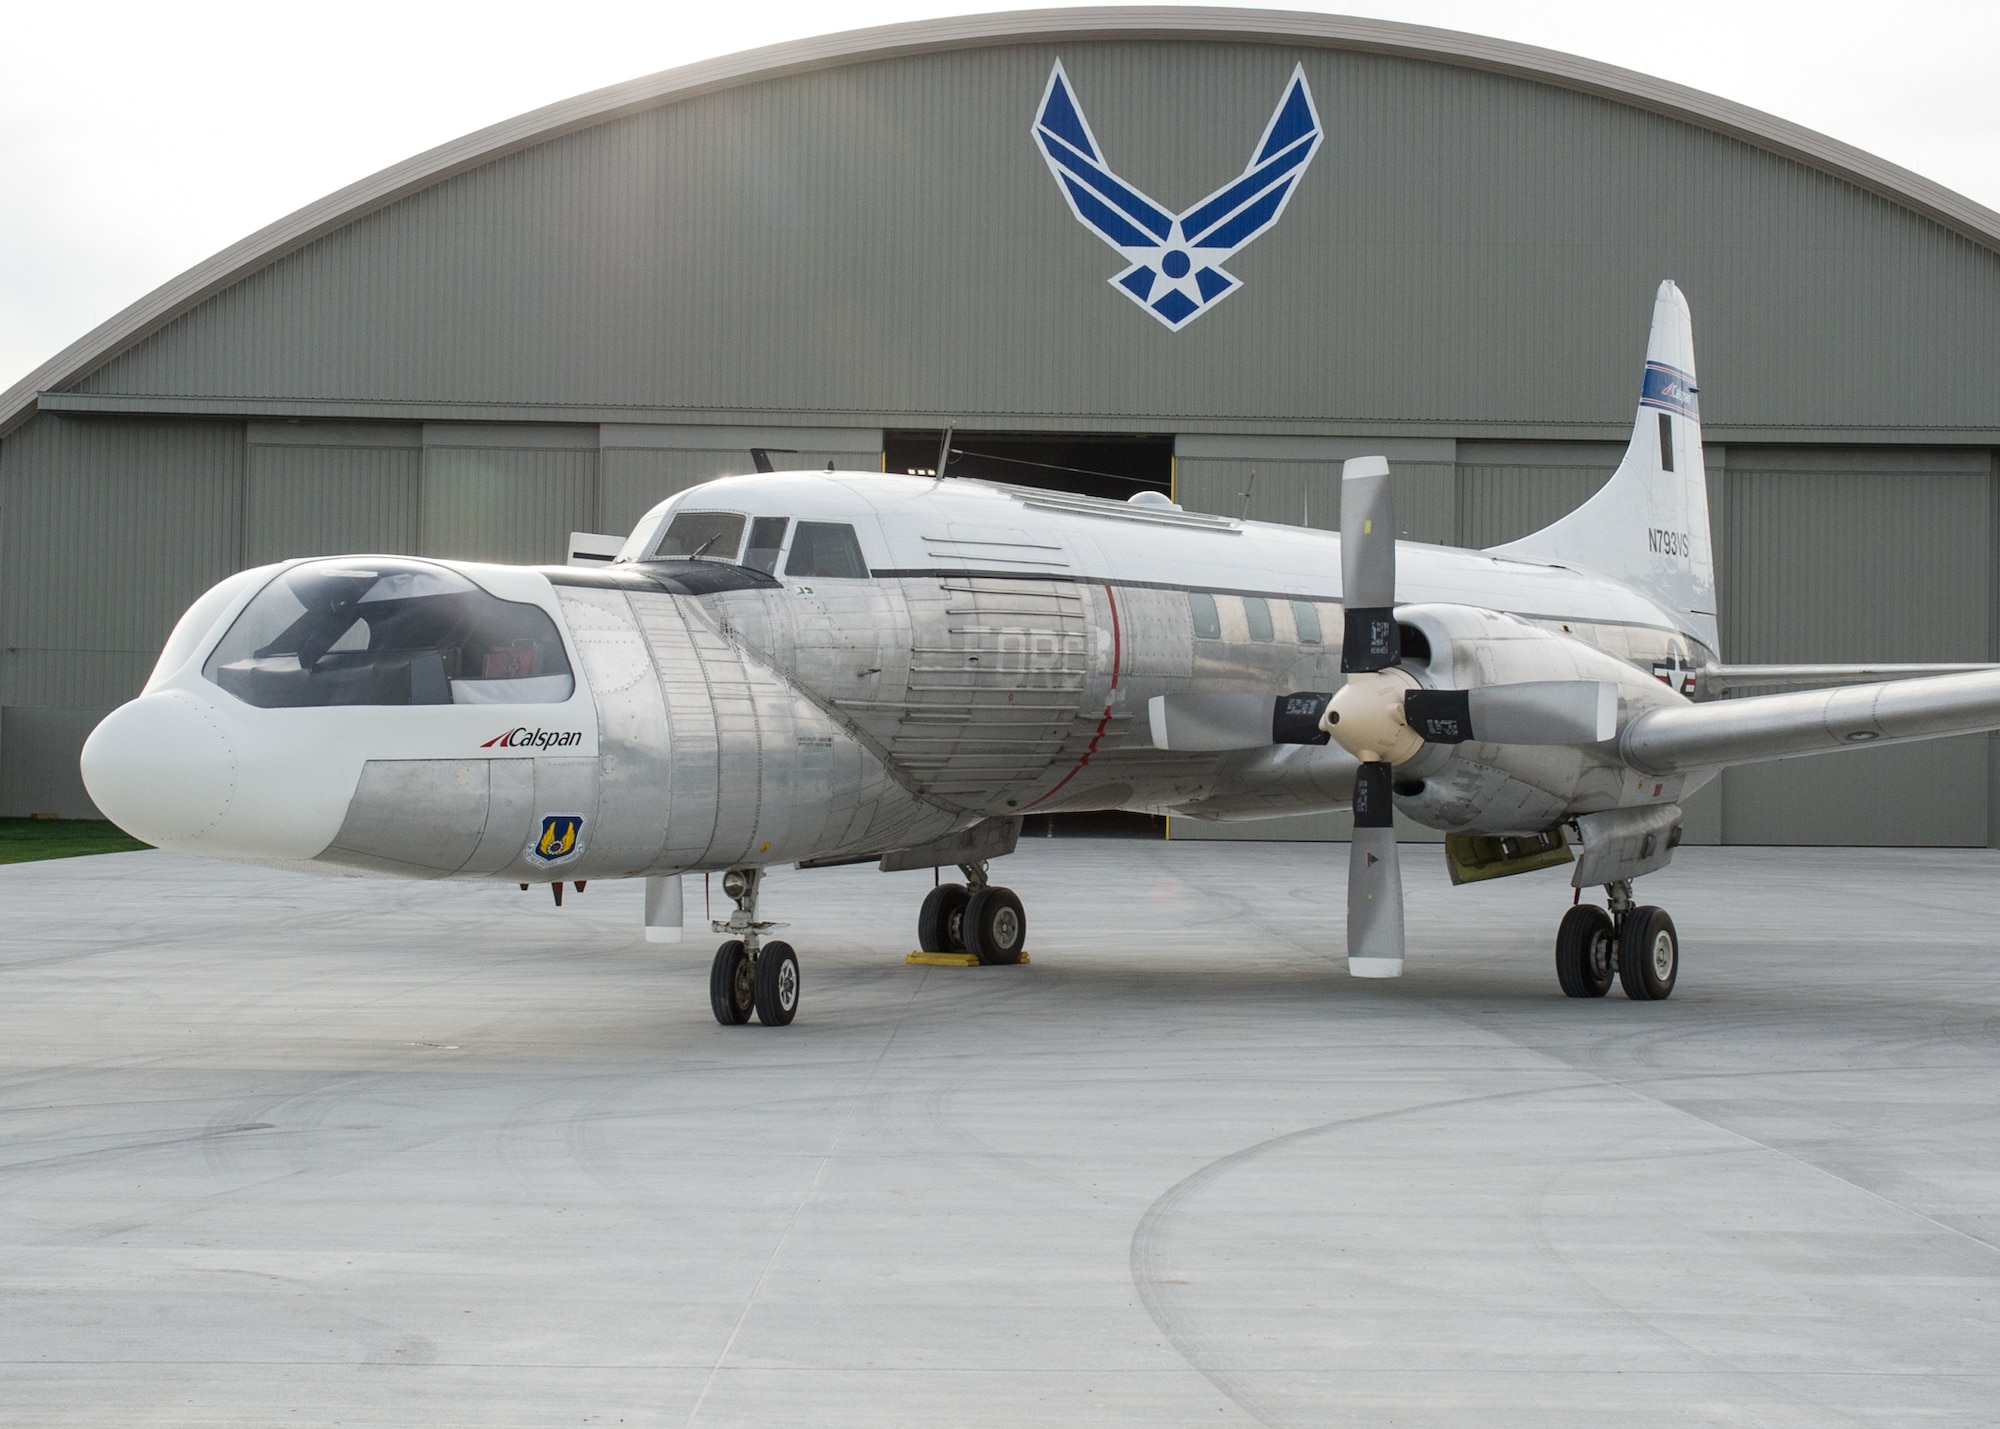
[[1669, 389], [561, 838], [1174, 260]]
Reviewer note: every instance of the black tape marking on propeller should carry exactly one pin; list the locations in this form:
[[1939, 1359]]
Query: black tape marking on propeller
[[1440, 716], [1369, 640], [1295, 718]]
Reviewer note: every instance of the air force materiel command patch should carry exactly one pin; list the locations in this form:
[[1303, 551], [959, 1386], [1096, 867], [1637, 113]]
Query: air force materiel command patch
[[561, 838], [1174, 261]]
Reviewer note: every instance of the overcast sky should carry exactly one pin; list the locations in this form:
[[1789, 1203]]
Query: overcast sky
[[138, 138]]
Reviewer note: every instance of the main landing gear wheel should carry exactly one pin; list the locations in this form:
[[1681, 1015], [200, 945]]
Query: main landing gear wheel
[[941, 921], [1586, 951], [996, 926], [730, 990], [1649, 954], [776, 990]]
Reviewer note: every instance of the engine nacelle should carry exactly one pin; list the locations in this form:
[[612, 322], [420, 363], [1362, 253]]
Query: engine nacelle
[[1486, 788]]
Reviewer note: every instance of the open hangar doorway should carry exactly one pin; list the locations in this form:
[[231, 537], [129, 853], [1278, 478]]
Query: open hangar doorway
[[1114, 467]]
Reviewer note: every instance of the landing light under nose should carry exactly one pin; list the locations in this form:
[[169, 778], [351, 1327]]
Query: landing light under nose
[[162, 768]]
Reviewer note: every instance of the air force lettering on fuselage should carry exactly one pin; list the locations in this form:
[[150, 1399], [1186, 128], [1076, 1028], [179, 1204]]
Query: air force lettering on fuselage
[[1174, 260]]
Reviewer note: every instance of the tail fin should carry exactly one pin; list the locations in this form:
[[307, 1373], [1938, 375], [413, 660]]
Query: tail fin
[[1648, 525]]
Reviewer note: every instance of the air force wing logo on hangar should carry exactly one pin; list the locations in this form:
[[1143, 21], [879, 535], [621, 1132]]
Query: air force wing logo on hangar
[[1175, 260]]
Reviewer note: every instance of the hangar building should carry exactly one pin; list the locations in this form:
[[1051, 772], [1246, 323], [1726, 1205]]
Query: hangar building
[[835, 248]]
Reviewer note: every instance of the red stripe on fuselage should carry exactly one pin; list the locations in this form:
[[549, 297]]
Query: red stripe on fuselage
[[1117, 658]]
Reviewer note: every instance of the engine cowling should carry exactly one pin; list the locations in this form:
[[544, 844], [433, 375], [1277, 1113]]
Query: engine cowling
[[1486, 787]]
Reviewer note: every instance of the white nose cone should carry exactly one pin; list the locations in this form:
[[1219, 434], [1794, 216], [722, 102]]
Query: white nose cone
[[162, 769]]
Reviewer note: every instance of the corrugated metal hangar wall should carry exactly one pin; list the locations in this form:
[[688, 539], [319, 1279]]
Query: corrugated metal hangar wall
[[553, 324]]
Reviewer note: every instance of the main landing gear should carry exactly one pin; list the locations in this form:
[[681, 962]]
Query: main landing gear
[[1636, 943], [750, 975], [973, 917]]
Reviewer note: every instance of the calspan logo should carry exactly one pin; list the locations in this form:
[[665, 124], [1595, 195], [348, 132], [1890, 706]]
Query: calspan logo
[[525, 738], [1174, 260]]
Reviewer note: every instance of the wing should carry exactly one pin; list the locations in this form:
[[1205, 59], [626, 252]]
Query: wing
[[1240, 210], [1101, 201], [1725, 732], [1718, 678]]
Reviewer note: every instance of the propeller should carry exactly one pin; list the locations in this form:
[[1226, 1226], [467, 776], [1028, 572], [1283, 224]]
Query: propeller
[[1371, 645], [1384, 717]]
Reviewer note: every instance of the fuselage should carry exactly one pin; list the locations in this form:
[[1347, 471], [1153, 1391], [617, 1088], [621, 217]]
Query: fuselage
[[815, 665]]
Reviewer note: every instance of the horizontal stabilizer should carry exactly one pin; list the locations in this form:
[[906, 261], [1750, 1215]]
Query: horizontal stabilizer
[[1726, 732]]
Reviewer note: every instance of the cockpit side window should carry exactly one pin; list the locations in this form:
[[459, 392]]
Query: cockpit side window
[[826, 549], [710, 535], [388, 633], [767, 538]]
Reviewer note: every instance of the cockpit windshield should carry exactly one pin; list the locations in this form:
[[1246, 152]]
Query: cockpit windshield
[[715, 535], [388, 632]]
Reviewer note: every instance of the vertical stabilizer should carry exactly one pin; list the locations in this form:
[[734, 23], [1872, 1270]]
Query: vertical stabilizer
[[1648, 526]]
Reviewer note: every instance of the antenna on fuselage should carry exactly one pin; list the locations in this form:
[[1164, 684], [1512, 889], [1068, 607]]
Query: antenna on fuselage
[[944, 452]]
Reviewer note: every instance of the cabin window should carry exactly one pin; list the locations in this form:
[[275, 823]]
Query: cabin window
[[702, 535], [1257, 614], [767, 538], [1305, 618], [347, 632], [1207, 619], [826, 549]]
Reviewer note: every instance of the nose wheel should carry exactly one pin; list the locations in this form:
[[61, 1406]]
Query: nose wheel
[[1635, 944], [750, 975], [974, 917]]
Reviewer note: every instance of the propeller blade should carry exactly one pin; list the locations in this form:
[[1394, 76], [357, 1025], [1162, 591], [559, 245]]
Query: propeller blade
[[1374, 880], [1368, 567], [1235, 719], [1530, 712]]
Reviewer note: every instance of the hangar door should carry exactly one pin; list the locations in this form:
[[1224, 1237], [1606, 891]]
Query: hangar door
[[1847, 555]]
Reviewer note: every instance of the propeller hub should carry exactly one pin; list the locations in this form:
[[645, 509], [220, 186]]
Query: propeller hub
[[1366, 717]]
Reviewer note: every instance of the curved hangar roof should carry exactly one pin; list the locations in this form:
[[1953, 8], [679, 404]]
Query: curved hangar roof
[[863, 226]]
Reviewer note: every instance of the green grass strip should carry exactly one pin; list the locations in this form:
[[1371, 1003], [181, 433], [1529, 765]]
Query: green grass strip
[[26, 840]]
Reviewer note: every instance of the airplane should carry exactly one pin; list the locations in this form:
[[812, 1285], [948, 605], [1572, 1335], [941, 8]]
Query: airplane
[[817, 668]]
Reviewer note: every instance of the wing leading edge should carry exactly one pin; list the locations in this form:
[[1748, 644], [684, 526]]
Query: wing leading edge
[[1725, 732]]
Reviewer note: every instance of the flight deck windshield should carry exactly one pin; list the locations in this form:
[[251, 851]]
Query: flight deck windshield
[[388, 633]]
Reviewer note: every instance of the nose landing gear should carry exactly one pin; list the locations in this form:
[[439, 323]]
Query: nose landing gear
[[1637, 943], [748, 974], [974, 917]]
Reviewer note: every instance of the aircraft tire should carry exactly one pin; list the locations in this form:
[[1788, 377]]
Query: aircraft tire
[[1649, 954], [941, 921], [729, 990], [777, 984], [996, 927], [1586, 951]]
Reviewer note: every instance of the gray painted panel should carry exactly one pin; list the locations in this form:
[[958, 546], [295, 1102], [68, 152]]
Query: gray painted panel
[[1307, 493], [1467, 247], [38, 773], [1856, 555], [109, 528], [1507, 490], [327, 500], [635, 479], [499, 504]]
